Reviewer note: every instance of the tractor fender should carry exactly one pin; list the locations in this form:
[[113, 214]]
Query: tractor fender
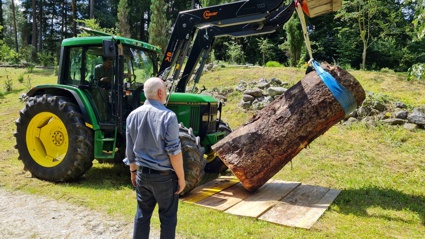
[[73, 93]]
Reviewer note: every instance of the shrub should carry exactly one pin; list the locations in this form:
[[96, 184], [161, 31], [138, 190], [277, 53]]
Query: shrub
[[30, 67], [273, 64], [14, 57], [56, 66], [4, 52], [28, 82], [416, 72], [8, 84], [21, 78], [45, 58], [387, 70], [28, 54]]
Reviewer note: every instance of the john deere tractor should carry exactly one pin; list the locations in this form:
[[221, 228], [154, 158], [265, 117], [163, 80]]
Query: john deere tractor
[[65, 126]]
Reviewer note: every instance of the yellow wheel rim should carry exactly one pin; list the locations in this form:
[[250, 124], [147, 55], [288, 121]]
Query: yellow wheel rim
[[47, 139], [210, 156]]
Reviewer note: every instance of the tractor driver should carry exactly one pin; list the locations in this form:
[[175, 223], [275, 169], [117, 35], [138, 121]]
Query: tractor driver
[[104, 73]]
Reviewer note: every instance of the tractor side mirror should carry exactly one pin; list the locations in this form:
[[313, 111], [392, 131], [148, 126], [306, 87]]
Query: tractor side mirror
[[109, 49]]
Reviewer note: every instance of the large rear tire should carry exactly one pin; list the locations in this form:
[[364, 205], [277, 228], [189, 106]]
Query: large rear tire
[[216, 165], [193, 161], [52, 140]]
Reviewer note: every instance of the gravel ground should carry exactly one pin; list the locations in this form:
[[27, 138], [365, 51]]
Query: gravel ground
[[30, 216]]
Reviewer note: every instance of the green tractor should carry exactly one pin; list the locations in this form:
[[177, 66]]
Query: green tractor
[[65, 126]]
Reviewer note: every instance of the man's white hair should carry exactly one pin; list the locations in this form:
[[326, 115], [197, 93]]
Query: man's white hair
[[151, 87]]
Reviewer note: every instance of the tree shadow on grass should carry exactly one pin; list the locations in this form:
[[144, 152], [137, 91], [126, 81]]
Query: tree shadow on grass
[[358, 201], [106, 176], [3, 94], [111, 176]]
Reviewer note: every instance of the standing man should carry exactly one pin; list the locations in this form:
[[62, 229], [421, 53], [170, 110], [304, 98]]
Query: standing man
[[156, 162]]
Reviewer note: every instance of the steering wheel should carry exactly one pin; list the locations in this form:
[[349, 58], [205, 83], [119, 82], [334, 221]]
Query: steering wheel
[[132, 78], [104, 84]]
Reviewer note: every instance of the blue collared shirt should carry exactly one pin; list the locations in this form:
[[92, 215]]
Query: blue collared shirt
[[152, 135]]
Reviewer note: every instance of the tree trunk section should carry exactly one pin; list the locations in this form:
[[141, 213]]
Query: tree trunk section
[[91, 9], [40, 23], [74, 18], [1, 21], [34, 25], [15, 31], [259, 149]]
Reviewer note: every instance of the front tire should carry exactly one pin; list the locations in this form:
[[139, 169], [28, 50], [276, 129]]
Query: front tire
[[52, 140], [193, 161]]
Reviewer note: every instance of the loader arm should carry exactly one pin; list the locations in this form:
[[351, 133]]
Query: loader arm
[[205, 37], [236, 13]]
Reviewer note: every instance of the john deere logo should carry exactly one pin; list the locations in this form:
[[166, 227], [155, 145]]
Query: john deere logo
[[208, 14]]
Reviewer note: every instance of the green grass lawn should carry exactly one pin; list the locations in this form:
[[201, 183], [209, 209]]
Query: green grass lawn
[[380, 171]]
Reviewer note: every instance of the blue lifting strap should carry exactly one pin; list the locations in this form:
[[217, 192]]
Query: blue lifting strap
[[341, 94]]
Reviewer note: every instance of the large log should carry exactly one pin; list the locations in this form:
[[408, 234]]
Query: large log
[[260, 148]]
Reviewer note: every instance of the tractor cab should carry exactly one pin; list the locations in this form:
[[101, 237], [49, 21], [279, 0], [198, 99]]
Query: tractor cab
[[107, 78]]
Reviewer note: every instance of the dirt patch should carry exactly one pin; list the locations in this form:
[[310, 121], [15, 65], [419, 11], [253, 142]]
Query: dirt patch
[[30, 216]]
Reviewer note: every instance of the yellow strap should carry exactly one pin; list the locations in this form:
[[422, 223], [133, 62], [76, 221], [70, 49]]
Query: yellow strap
[[303, 25]]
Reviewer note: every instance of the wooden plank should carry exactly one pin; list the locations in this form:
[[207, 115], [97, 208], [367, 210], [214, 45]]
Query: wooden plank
[[320, 10], [316, 3], [337, 4], [226, 198], [263, 199], [210, 188], [318, 209], [293, 207], [320, 7]]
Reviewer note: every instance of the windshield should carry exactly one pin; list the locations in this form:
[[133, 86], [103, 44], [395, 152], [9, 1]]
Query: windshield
[[139, 65], [86, 66]]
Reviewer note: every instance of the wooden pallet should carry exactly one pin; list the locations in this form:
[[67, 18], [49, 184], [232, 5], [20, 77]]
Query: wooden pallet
[[281, 202]]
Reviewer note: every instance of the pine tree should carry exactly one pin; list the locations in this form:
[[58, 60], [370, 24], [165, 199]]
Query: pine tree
[[295, 42], [122, 24], [159, 26]]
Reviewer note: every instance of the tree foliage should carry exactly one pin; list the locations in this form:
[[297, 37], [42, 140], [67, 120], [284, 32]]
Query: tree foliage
[[122, 24], [368, 34], [1, 21], [266, 49], [159, 26], [418, 9], [293, 46], [235, 52]]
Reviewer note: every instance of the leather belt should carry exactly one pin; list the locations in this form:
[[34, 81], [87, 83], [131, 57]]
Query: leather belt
[[146, 170]]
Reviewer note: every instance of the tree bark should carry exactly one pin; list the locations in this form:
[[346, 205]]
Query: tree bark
[[74, 18], [91, 9], [259, 149], [34, 25], [40, 23], [1, 21], [15, 31]]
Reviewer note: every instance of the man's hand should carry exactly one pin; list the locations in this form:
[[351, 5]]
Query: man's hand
[[133, 179], [182, 185], [105, 79], [177, 163]]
